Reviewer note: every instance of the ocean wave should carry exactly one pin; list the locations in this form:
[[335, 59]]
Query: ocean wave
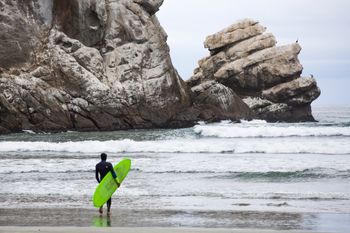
[[68, 171], [261, 196], [311, 173], [206, 145], [305, 174], [116, 146], [259, 129]]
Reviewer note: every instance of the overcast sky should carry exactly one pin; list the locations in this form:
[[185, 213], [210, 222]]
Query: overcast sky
[[322, 27]]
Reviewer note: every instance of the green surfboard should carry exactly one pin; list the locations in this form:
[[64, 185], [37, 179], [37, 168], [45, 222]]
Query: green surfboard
[[107, 186]]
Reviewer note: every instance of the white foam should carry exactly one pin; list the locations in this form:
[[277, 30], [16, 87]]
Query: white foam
[[263, 129], [204, 145], [126, 145], [29, 131], [254, 122]]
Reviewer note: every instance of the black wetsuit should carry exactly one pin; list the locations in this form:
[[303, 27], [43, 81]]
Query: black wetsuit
[[102, 169]]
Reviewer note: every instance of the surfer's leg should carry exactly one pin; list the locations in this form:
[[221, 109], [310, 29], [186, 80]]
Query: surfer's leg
[[101, 210], [109, 203]]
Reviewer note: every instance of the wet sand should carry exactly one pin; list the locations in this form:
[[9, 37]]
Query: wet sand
[[167, 221], [64, 217], [132, 230]]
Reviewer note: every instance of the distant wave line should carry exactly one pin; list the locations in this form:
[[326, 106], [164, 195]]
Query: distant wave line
[[179, 146]]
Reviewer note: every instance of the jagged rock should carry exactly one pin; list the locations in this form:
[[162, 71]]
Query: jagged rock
[[151, 6], [212, 64], [91, 59], [256, 103], [274, 112], [237, 32], [300, 91], [18, 36], [105, 65], [267, 77], [96, 65], [261, 69], [213, 97]]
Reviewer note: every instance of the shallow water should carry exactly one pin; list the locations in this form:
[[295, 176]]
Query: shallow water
[[251, 166]]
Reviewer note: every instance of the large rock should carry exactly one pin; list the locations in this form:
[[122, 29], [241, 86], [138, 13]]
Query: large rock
[[105, 65], [99, 65], [210, 65], [95, 65], [267, 77], [213, 98], [262, 69], [278, 112], [151, 6], [236, 32], [18, 36], [300, 91]]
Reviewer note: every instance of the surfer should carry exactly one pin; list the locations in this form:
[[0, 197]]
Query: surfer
[[102, 169]]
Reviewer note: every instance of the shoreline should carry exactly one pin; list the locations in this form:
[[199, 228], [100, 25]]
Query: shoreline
[[126, 220], [136, 230]]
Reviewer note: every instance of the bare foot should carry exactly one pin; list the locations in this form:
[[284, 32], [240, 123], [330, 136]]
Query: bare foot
[[100, 210], [109, 213]]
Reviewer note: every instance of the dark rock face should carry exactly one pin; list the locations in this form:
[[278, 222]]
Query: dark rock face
[[300, 91], [18, 36], [267, 78], [96, 65], [218, 102]]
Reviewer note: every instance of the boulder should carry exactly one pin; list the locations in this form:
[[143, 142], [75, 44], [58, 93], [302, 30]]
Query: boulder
[[151, 6], [278, 112], [213, 98], [300, 91], [210, 65], [237, 32], [267, 77], [262, 69]]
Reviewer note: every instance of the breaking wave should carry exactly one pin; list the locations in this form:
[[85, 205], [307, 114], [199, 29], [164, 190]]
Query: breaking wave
[[261, 129], [204, 145]]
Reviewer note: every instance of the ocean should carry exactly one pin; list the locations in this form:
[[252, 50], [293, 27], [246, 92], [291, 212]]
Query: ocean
[[226, 167]]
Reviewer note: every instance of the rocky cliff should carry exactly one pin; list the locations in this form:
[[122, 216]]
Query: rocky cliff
[[105, 65], [90, 65], [266, 77], [87, 65]]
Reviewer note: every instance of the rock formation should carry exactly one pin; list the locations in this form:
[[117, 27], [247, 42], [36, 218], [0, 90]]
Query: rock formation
[[266, 77], [97, 65], [105, 65]]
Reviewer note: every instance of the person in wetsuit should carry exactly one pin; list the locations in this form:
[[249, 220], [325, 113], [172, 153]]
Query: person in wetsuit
[[102, 169]]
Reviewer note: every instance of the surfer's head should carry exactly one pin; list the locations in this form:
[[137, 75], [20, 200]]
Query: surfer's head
[[104, 156]]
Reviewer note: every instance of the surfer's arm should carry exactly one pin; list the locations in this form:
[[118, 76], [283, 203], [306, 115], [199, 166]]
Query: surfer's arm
[[114, 176], [97, 177]]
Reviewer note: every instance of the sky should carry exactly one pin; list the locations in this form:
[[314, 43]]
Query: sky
[[321, 26]]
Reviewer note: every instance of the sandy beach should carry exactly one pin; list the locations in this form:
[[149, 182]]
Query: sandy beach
[[167, 221], [66, 217], [132, 230]]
